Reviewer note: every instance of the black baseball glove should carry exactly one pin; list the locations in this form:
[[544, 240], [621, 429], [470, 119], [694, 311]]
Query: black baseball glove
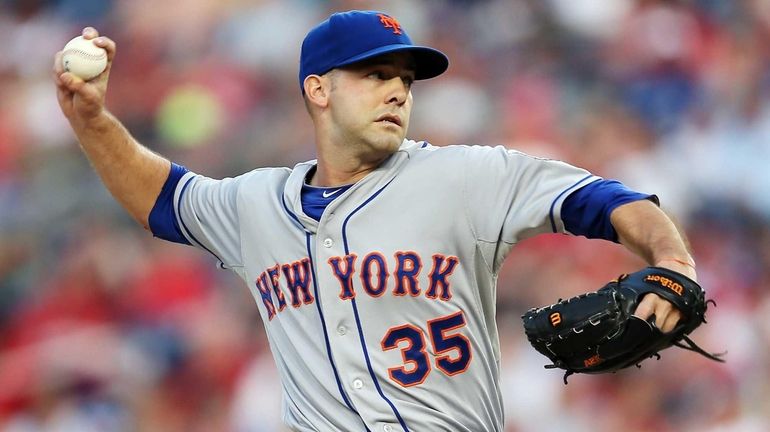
[[598, 333]]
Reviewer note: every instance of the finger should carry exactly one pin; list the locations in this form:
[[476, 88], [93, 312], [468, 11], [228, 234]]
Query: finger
[[71, 82], [672, 319], [64, 97], [108, 44], [57, 69], [58, 81], [90, 33], [662, 311], [645, 308], [88, 94]]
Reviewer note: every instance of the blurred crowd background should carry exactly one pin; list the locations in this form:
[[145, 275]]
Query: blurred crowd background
[[103, 328]]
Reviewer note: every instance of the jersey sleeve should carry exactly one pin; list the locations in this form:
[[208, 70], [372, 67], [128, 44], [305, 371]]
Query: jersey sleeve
[[587, 210], [512, 196], [163, 222], [206, 213]]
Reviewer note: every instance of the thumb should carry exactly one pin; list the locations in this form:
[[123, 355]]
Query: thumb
[[646, 308], [72, 82], [87, 100]]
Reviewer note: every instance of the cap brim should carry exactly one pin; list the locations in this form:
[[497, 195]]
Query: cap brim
[[429, 62]]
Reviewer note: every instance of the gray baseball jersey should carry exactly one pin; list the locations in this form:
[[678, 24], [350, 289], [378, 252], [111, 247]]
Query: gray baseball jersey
[[381, 316]]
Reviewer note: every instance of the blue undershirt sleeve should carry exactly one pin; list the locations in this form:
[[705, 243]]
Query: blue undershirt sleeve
[[163, 222], [587, 211]]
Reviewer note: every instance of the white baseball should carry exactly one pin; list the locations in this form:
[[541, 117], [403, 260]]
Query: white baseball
[[82, 58]]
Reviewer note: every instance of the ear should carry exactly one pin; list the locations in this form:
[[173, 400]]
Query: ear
[[317, 90]]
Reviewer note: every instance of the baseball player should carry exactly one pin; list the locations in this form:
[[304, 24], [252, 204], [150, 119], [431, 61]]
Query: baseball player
[[373, 266]]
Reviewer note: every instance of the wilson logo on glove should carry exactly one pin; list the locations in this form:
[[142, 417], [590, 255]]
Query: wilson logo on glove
[[598, 332], [666, 282]]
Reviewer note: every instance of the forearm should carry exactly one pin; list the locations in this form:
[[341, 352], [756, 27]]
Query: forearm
[[646, 230], [133, 174]]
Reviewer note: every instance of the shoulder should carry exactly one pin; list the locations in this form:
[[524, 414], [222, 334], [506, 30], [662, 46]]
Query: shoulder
[[424, 149], [278, 174], [256, 180], [462, 154]]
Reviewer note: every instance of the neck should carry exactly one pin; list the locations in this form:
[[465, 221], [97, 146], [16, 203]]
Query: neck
[[338, 170], [344, 159]]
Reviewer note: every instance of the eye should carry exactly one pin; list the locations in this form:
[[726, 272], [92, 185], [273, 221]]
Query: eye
[[377, 74], [408, 80]]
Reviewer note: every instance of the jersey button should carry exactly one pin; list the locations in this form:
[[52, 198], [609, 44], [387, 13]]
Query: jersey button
[[387, 428], [328, 243], [342, 330], [358, 384]]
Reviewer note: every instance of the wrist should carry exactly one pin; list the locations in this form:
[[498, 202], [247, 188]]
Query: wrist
[[685, 265], [96, 121], [688, 262], [93, 126]]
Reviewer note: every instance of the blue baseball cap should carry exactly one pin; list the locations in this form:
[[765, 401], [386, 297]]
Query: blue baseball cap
[[349, 37]]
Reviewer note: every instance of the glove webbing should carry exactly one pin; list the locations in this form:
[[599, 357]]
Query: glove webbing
[[691, 346]]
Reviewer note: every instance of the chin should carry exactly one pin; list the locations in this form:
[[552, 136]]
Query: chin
[[389, 143], [393, 145]]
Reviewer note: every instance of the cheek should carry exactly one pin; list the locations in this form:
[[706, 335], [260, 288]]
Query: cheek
[[408, 110], [347, 111]]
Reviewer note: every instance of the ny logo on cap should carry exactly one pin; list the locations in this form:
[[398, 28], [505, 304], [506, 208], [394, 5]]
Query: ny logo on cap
[[390, 22]]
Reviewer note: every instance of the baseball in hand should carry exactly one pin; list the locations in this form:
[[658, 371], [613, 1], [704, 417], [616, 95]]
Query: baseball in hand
[[82, 58]]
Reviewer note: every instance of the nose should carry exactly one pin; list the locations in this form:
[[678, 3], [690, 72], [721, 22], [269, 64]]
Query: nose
[[398, 91]]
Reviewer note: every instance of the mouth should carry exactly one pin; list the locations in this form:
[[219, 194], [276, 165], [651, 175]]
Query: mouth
[[390, 118]]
